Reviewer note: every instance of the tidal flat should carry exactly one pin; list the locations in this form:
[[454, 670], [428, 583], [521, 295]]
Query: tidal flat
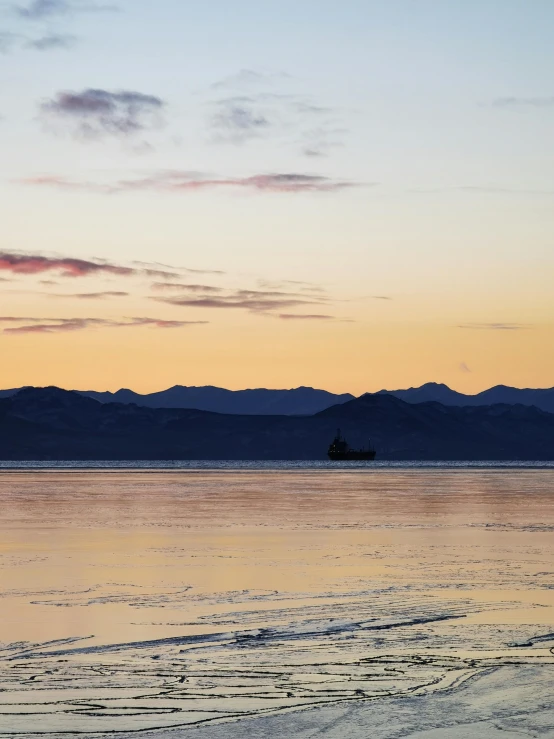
[[277, 603]]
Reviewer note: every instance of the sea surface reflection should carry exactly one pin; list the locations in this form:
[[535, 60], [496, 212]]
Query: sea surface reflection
[[136, 600]]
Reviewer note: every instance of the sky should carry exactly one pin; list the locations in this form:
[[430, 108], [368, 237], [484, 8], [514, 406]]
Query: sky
[[352, 196]]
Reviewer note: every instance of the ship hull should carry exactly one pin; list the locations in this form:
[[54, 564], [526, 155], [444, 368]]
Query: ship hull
[[351, 456]]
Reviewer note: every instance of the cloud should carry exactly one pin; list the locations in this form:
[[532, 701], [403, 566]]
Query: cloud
[[39, 10], [464, 367], [60, 325], [96, 113], [322, 139], [305, 317], [270, 301], [247, 78], [374, 297], [91, 296], [524, 102], [308, 287], [312, 152], [10, 42], [185, 286], [204, 271], [255, 305], [156, 265], [61, 183], [52, 41], [32, 264], [495, 326], [255, 301], [239, 119], [258, 105], [35, 264], [174, 181], [237, 122]]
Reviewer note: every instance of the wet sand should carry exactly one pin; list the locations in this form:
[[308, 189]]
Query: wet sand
[[338, 604]]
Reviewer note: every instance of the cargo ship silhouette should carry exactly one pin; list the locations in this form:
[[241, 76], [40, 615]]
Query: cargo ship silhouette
[[340, 451]]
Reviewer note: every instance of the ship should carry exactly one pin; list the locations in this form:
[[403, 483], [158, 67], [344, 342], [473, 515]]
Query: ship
[[340, 451]]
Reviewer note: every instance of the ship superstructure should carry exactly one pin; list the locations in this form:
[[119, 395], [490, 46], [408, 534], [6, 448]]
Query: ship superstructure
[[340, 451]]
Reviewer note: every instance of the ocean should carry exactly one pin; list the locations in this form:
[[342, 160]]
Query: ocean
[[236, 600]]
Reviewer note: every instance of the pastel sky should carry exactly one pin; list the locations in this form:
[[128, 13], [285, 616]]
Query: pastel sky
[[351, 195]]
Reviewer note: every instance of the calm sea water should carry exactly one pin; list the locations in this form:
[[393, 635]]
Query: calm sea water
[[234, 465], [277, 600]]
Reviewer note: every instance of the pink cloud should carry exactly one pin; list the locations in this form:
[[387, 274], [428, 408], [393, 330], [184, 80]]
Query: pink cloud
[[35, 264], [176, 181]]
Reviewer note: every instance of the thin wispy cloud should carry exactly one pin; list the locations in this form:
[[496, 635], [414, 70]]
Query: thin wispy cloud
[[188, 270], [90, 296], [321, 140], [183, 182], [11, 42], [254, 305], [43, 10], [261, 105], [464, 368], [255, 301], [289, 119], [97, 113], [273, 300], [305, 317], [299, 285], [546, 101], [238, 121], [185, 286], [61, 325], [203, 271], [52, 41], [249, 78], [495, 326]]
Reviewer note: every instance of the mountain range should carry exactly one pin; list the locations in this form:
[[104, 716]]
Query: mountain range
[[306, 401], [432, 391], [302, 401], [54, 424]]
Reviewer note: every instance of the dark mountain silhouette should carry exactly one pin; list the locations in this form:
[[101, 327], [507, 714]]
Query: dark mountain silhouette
[[9, 393], [432, 391], [305, 401], [300, 401], [53, 424]]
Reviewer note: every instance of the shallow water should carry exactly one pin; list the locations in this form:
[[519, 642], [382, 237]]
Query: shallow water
[[148, 600]]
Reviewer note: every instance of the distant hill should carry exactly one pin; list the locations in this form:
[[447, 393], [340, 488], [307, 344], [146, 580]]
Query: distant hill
[[301, 401], [9, 393], [53, 424], [432, 391], [304, 401]]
